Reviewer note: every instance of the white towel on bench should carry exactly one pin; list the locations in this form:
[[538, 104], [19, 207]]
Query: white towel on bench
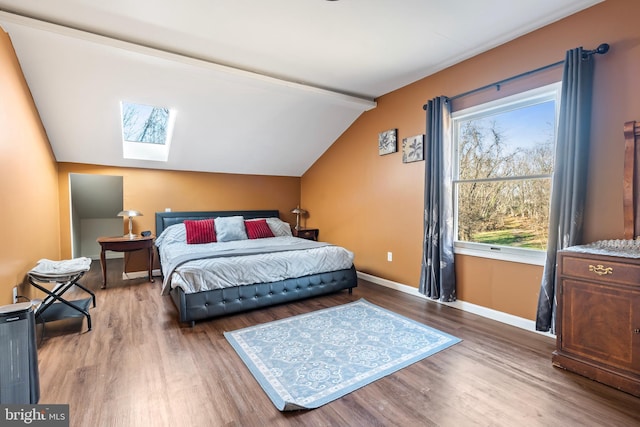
[[51, 269]]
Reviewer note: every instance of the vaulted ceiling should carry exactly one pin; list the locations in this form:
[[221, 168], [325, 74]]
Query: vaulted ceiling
[[259, 87]]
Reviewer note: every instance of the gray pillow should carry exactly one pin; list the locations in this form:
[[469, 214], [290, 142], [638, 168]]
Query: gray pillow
[[230, 228], [278, 227]]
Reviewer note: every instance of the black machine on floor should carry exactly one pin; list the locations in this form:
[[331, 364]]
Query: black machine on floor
[[19, 377]]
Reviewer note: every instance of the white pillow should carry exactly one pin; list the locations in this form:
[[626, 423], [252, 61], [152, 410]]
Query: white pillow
[[230, 228], [175, 233], [278, 227]]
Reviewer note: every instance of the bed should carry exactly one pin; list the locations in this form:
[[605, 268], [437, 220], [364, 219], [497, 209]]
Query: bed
[[199, 276]]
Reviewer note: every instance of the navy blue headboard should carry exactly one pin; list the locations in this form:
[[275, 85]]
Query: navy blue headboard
[[165, 219]]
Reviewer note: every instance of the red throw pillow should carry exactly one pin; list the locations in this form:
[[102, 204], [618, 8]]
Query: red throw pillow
[[200, 231], [258, 229]]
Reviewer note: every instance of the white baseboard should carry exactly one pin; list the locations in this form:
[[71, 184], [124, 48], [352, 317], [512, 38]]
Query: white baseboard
[[108, 255], [489, 313], [138, 274], [133, 274]]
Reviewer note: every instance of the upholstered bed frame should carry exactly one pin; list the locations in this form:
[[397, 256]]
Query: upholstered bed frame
[[218, 302]]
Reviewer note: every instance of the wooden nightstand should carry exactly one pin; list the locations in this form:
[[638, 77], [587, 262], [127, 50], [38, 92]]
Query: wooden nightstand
[[307, 233]]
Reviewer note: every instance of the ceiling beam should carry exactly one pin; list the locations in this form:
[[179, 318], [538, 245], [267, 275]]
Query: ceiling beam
[[356, 102]]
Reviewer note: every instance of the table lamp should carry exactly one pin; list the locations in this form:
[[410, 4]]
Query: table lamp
[[298, 212], [130, 214]]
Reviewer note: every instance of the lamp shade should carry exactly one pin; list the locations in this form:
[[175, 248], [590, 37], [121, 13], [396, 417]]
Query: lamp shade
[[298, 211], [129, 213]]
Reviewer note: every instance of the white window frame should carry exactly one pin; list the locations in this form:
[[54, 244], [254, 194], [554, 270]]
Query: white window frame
[[523, 99]]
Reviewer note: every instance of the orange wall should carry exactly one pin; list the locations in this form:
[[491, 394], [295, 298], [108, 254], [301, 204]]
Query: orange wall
[[150, 191], [373, 204], [28, 180]]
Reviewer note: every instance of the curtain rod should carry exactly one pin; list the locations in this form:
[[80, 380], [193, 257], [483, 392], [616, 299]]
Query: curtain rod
[[602, 49]]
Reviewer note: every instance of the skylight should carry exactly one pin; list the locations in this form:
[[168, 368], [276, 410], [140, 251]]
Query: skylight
[[146, 131]]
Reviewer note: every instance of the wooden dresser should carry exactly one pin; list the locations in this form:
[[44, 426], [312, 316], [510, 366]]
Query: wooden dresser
[[598, 313]]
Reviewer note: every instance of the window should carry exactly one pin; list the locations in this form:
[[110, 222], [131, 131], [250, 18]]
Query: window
[[503, 164], [146, 131]]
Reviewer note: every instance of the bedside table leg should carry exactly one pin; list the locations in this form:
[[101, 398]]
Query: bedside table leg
[[150, 264], [103, 263]]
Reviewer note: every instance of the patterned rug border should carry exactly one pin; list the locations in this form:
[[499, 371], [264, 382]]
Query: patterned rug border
[[252, 362]]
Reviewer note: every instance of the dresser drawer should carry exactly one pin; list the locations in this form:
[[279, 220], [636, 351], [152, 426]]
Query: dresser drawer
[[600, 269]]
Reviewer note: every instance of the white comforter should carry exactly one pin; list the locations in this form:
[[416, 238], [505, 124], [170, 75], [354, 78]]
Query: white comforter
[[228, 271]]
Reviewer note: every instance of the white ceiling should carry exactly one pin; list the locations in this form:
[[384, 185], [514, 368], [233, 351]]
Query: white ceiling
[[260, 87]]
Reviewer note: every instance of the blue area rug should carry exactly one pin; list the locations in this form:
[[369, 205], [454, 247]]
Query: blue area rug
[[306, 361]]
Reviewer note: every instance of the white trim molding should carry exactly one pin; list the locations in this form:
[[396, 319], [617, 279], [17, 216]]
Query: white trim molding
[[138, 274], [489, 313]]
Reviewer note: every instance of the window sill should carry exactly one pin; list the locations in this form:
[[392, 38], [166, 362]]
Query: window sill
[[503, 254]]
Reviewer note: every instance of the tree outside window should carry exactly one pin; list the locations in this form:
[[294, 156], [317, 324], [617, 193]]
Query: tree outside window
[[504, 156]]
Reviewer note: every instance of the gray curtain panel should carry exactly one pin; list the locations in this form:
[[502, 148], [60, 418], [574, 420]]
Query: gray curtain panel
[[569, 176], [437, 277]]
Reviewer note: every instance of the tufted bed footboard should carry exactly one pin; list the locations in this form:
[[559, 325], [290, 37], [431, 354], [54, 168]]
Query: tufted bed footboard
[[218, 302]]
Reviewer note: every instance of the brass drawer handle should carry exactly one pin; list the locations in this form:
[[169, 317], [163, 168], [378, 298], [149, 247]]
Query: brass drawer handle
[[600, 269]]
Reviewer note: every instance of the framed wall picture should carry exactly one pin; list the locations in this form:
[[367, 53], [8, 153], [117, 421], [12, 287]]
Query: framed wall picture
[[413, 149], [387, 142]]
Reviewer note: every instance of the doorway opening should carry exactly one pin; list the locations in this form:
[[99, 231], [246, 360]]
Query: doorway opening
[[95, 202]]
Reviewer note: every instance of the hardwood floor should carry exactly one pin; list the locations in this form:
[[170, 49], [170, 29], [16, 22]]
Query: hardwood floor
[[140, 367]]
